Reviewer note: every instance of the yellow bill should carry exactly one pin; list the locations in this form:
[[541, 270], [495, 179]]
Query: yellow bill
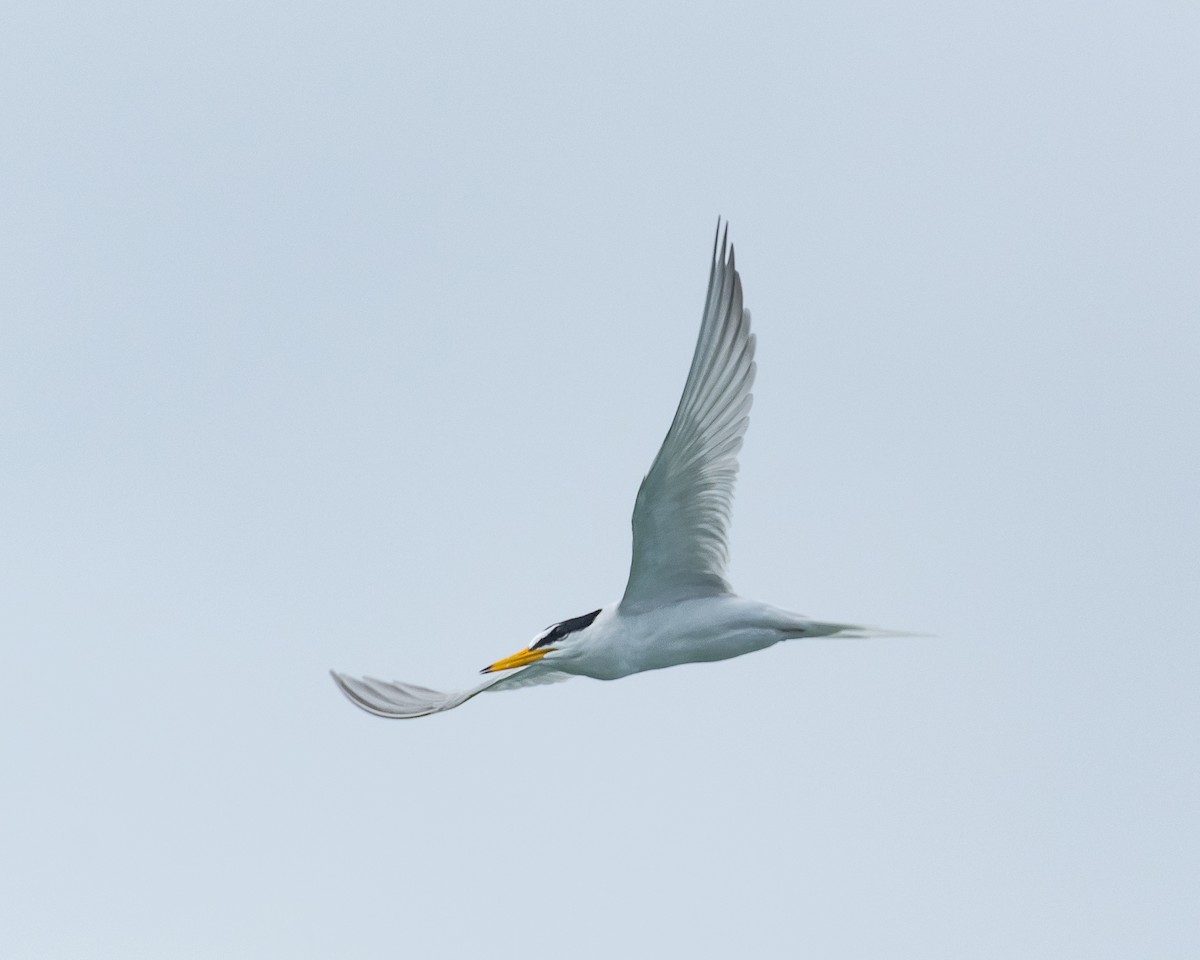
[[522, 659]]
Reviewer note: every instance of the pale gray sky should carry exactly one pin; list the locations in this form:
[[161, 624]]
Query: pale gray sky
[[341, 335]]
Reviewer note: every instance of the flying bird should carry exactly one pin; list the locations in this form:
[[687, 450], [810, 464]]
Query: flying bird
[[678, 607]]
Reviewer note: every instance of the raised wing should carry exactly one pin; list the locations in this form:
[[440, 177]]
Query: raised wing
[[404, 701], [682, 513]]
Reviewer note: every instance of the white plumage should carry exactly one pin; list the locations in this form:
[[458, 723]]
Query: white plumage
[[678, 607]]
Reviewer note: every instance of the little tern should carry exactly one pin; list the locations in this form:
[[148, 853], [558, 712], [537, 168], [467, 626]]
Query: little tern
[[678, 607]]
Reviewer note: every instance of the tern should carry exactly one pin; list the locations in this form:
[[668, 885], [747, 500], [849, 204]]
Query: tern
[[678, 606]]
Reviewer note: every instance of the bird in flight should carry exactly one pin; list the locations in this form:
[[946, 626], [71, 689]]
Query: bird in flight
[[678, 607]]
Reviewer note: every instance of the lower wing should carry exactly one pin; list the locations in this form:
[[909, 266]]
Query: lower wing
[[404, 701]]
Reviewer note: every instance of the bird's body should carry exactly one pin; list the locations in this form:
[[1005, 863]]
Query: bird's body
[[678, 607], [697, 630]]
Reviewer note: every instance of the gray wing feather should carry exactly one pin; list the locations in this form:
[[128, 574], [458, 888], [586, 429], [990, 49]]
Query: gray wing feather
[[682, 513], [403, 701]]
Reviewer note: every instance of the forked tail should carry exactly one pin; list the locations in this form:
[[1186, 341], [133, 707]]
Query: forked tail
[[851, 631]]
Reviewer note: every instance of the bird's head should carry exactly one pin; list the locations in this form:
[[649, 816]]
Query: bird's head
[[554, 639]]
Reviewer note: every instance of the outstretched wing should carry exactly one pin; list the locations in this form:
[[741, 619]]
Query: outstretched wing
[[404, 701], [682, 513]]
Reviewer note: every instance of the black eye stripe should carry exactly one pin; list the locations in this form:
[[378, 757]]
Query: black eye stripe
[[560, 630]]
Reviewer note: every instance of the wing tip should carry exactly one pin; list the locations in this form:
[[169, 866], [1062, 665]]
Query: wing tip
[[373, 704], [721, 242]]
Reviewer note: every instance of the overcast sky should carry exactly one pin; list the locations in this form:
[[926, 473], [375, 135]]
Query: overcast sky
[[340, 335]]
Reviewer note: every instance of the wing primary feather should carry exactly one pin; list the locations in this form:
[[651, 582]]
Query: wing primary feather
[[720, 359], [740, 380], [708, 349], [717, 357], [704, 353]]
